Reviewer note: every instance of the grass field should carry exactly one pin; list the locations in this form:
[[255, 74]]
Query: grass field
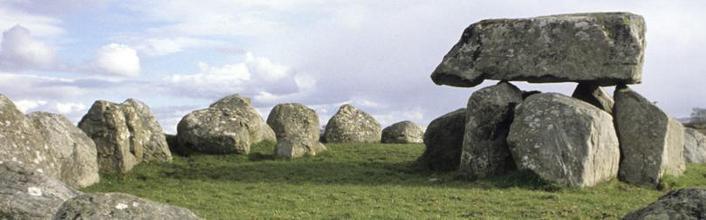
[[367, 181]]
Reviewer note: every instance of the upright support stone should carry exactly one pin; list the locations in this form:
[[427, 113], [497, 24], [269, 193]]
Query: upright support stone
[[443, 140], [594, 95]]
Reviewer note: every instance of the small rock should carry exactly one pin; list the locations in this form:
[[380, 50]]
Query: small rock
[[351, 125], [687, 203], [404, 132], [297, 130]]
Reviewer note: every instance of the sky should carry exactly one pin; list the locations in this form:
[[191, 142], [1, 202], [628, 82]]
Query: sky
[[181, 55]]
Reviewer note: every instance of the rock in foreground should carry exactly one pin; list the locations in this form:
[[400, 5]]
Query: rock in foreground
[[119, 206], [28, 194], [605, 48], [678, 204], [404, 132], [443, 140], [564, 140], [351, 125], [297, 130]]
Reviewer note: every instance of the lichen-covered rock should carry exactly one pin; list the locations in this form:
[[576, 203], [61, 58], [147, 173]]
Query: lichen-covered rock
[[594, 95], [488, 117], [76, 152], [297, 130], [687, 203], [351, 125], [564, 140], [694, 146], [118, 206], [28, 194], [605, 48], [21, 142], [230, 125], [156, 147], [651, 143], [443, 139], [404, 132]]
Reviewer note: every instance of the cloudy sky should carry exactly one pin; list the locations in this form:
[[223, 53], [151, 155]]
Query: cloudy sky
[[181, 55]]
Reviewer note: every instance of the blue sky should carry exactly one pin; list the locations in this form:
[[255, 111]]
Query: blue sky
[[178, 55]]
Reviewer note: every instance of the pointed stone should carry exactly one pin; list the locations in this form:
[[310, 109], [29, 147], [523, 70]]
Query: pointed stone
[[594, 95]]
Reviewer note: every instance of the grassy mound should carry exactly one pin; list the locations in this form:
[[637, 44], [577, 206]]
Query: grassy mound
[[367, 181]]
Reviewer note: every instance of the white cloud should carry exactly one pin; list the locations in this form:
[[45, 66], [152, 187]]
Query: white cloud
[[265, 69], [118, 60], [69, 107], [24, 105], [160, 46], [42, 26], [21, 51]]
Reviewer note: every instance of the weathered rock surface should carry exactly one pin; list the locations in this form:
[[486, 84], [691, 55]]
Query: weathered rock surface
[[443, 139], [230, 125], [119, 206], [403, 132], [694, 146], [651, 143], [351, 125], [594, 95], [564, 140], [699, 126], [605, 48], [488, 117], [21, 142], [124, 133], [28, 194], [297, 130], [687, 203], [76, 152]]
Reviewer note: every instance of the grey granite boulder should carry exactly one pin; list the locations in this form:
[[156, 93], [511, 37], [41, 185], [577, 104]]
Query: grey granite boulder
[[76, 152], [694, 146], [594, 95], [443, 140], [687, 203], [564, 140], [118, 206], [156, 147], [605, 48], [297, 130], [404, 132], [651, 143], [28, 194], [351, 125], [488, 117], [230, 125]]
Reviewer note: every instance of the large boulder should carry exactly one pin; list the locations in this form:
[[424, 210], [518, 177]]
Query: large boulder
[[443, 139], [564, 140], [297, 130], [651, 143], [119, 206], [230, 125], [403, 132], [28, 194], [687, 203], [351, 125], [605, 48], [594, 95], [694, 146], [124, 133], [488, 117], [76, 152]]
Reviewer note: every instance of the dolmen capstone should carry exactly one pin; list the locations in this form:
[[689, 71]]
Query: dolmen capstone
[[694, 146], [47, 143], [297, 129], [443, 140], [689, 203], [125, 134], [404, 132], [351, 125], [229, 125]]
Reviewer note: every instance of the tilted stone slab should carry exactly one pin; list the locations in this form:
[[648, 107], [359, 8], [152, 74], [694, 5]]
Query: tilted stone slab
[[607, 48]]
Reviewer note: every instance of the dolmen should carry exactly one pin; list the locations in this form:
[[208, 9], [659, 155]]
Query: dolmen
[[579, 140]]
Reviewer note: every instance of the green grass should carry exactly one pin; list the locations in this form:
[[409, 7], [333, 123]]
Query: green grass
[[367, 181]]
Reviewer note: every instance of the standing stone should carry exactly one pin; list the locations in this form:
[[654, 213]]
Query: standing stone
[[694, 146], [488, 117], [594, 95], [651, 143], [156, 147], [230, 125], [607, 48], [687, 203], [297, 130], [404, 132], [564, 140], [443, 140], [119, 206], [76, 152], [28, 194], [351, 125]]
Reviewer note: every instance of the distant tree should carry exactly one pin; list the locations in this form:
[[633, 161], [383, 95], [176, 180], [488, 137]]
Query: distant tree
[[698, 115]]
